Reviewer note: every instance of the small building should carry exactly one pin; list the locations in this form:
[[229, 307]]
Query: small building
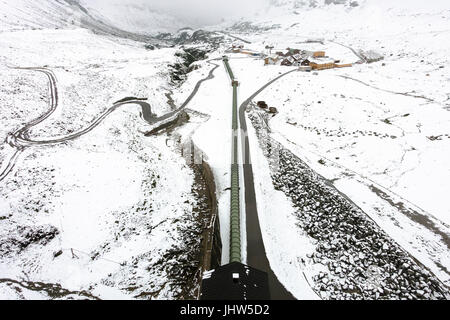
[[286, 62], [273, 110], [318, 54], [291, 52]]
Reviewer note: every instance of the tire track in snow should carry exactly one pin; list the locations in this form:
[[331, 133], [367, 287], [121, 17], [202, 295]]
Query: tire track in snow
[[390, 91]]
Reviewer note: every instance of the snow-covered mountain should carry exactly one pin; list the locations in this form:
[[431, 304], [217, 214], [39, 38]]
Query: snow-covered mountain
[[116, 18], [118, 213], [386, 5], [135, 16], [151, 16]]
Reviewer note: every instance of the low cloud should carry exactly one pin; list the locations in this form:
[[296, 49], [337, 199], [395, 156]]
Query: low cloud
[[196, 12]]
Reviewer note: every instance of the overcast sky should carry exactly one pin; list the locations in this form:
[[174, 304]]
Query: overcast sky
[[205, 11]]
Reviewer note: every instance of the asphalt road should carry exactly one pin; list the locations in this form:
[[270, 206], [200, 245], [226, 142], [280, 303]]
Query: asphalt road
[[256, 252], [20, 139]]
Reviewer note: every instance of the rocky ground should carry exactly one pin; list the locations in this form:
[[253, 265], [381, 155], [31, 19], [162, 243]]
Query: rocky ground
[[361, 260], [187, 57]]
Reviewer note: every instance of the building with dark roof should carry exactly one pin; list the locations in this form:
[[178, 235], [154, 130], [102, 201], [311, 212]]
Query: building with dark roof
[[235, 281]]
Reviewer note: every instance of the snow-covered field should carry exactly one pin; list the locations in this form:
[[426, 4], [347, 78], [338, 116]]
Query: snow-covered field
[[100, 213], [113, 213]]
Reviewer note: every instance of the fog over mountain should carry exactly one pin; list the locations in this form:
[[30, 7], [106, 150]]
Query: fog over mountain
[[177, 13], [153, 16]]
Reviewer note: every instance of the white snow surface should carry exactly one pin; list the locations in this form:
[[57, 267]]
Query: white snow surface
[[384, 124]]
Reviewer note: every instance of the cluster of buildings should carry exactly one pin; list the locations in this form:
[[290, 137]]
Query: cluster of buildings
[[305, 60]]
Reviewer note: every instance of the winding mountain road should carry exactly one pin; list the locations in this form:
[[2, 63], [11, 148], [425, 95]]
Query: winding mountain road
[[21, 140]]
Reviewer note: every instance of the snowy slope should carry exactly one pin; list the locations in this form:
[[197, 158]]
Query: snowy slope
[[150, 16], [381, 5], [378, 132], [62, 14], [28, 14], [92, 217], [135, 16], [412, 40]]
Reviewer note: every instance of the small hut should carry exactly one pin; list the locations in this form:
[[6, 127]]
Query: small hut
[[319, 54], [297, 57], [262, 105], [305, 68]]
